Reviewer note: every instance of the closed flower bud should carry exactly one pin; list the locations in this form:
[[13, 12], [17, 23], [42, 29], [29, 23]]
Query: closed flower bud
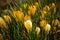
[[47, 28], [32, 9], [37, 30]]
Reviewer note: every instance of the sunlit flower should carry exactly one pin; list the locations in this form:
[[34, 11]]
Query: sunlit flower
[[32, 10], [7, 18], [37, 30], [14, 14], [27, 17], [3, 24], [28, 25], [47, 28], [25, 5], [18, 15], [42, 23]]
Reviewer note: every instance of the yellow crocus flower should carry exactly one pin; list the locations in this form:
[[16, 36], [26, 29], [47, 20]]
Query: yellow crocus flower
[[28, 25], [42, 23], [37, 30], [14, 14], [20, 16], [47, 28], [3, 24], [27, 17], [32, 9], [7, 18]]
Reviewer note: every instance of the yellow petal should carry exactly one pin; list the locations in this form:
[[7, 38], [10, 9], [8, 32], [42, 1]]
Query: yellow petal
[[32, 9], [7, 18], [42, 23], [14, 14], [28, 25], [27, 17], [3, 24], [37, 30], [20, 16], [47, 28]]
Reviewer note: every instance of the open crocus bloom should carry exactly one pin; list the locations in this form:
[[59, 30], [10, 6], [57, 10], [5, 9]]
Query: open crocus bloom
[[28, 25]]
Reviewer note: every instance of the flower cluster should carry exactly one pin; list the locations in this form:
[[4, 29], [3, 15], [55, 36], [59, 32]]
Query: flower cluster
[[30, 21]]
